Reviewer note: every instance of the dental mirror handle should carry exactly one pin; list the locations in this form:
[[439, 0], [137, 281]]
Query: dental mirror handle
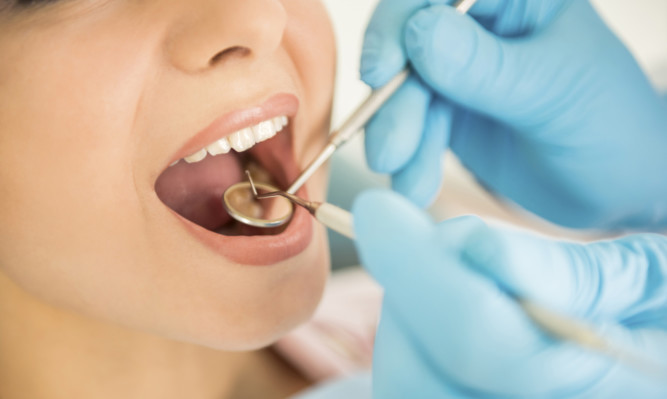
[[361, 116], [335, 218]]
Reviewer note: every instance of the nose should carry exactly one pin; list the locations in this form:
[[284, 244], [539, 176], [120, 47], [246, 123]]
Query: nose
[[209, 32]]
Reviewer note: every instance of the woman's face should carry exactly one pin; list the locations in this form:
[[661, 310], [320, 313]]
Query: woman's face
[[98, 98]]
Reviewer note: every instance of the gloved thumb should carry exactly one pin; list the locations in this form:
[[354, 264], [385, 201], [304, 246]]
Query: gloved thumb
[[464, 62]]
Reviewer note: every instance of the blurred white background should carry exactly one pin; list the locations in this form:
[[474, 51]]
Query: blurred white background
[[641, 24]]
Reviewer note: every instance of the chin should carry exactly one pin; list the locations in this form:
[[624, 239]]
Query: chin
[[271, 305]]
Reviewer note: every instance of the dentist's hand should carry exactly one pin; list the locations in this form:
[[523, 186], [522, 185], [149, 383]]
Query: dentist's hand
[[537, 98], [450, 327]]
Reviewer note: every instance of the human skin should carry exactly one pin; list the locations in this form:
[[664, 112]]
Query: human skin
[[95, 97]]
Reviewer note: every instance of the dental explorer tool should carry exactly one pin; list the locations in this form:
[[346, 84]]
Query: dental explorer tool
[[340, 136]]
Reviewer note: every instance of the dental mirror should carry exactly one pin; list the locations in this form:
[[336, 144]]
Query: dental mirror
[[239, 202]]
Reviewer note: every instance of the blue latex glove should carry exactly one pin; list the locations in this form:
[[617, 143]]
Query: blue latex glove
[[450, 328], [541, 102]]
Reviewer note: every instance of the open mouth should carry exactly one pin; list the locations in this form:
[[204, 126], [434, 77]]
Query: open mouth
[[194, 186], [259, 140]]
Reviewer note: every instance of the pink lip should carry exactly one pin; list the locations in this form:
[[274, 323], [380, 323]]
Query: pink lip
[[278, 105], [257, 250]]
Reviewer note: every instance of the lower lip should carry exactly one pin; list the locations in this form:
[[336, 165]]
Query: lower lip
[[259, 250]]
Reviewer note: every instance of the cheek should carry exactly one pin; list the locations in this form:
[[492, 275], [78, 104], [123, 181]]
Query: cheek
[[310, 41], [66, 112], [260, 306]]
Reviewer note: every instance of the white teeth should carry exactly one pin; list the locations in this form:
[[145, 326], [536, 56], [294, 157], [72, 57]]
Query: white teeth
[[221, 146], [196, 157], [278, 124], [264, 131], [242, 140]]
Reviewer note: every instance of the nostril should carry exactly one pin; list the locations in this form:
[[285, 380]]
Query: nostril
[[232, 52]]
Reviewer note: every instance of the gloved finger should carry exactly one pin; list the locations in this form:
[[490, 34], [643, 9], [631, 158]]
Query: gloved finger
[[464, 62], [421, 178], [475, 333], [399, 369], [607, 280], [513, 18], [392, 136], [383, 54]]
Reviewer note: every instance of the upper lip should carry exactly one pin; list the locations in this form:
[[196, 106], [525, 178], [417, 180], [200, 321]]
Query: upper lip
[[277, 105]]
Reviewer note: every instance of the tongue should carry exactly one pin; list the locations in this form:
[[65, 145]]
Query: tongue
[[195, 191]]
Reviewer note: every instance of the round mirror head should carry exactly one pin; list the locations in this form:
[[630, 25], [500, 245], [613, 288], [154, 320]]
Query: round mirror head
[[241, 204]]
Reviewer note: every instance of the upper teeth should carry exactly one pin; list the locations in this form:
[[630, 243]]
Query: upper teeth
[[242, 140]]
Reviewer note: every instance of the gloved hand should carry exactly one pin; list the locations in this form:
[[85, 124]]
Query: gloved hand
[[450, 327], [537, 98]]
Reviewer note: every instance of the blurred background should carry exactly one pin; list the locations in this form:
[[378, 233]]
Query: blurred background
[[641, 24]]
